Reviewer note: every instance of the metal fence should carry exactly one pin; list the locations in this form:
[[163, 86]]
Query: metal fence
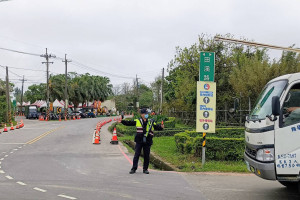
[[223, 117]]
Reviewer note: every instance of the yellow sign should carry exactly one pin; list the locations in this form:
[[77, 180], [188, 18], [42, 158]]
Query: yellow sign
[[58, 110], [206, 107], [51, 106]]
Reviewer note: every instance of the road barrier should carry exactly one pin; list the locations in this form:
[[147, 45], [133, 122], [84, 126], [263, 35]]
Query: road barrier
[[5, 128], [12, 127], [114, 139], [96, 137]]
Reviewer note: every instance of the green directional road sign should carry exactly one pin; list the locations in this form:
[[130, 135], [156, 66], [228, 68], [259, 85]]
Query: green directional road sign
[[207, 66]]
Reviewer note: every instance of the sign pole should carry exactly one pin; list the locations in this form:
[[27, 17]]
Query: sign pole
[[206, 98], [203, 149]]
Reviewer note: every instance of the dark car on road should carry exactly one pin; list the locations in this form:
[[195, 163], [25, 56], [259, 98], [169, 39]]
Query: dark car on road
[[79, 113]]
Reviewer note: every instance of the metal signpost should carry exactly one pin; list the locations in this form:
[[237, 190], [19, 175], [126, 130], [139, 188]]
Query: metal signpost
[[206, 98]]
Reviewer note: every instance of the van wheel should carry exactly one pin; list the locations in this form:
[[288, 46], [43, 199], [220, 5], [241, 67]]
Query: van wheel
[[290, 185]]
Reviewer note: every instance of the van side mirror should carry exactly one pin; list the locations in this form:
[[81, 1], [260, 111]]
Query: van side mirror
[[275, 106]]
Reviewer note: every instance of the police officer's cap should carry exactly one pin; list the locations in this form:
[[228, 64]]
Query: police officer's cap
[[144, 111]]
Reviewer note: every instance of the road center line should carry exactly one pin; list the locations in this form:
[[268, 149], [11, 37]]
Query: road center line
[[2, 172], [5, 155], [67, 197], [39, 189], [21, 183], [43, 135]]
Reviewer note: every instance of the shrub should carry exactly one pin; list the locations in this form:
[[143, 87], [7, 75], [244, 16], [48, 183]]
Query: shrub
[[218, 148], [221, 133], [170, 123]]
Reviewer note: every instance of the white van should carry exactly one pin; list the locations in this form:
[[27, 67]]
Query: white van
[[272, 134]]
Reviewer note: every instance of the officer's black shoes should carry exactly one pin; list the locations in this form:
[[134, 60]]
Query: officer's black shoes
[[145, 171], [132, 171]]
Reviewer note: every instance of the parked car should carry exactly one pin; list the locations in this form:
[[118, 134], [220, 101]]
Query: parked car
[[31, 112], [79, 113]]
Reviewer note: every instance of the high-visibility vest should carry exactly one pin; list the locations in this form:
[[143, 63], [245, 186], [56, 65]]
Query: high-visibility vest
[[139, 127]]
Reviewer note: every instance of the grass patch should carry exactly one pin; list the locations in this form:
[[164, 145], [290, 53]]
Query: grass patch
[[165, 147]]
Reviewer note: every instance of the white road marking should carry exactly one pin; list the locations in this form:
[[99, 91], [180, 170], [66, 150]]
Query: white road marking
[[39, 189], [2, 172], [67, 197], [21, 183], [16, 149], [12, 152], [2, 159], [9, 177], [20, 147], [3, 152], [5, 155]]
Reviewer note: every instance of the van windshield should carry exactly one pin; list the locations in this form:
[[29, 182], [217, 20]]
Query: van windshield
[[263, 106]]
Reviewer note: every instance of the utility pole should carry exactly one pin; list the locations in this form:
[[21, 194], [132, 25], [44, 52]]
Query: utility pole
[[161, 89], [22, 94], [47, 56], [66, 85], [8, 98], [137, 93]]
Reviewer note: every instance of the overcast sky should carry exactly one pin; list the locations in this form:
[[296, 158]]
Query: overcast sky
[[129, 37]]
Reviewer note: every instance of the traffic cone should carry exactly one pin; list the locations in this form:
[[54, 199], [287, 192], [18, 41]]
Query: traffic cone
[[114, 139], [12, 127], [59, 118], [74, 117], [66, 118], [22, 124], [17, 126], [5, 128], [96, 137]]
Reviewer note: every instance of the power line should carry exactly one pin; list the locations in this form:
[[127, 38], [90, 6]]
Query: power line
[[22, 52], [38, 70], [78, 64]]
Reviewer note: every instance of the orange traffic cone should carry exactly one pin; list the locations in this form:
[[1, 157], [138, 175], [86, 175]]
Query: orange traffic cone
[[22, 124], [17, 127], [59, 118], [5, 128], [74, 117], [65, 118], [96, 137], [12, 127], [114, 139]]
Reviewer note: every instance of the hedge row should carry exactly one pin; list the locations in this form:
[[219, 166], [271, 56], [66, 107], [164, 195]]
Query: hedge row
[[170, 123], [217, 148], [220, 133]]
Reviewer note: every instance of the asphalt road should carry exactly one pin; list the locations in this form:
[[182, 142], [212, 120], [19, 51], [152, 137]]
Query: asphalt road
[[57, 160]]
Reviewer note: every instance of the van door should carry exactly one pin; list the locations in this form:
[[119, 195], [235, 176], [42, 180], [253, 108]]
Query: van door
[[287, 137]]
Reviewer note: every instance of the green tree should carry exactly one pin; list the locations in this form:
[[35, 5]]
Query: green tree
[[36, 92]]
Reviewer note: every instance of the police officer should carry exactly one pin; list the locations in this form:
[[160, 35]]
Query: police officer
[[143, 138]]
